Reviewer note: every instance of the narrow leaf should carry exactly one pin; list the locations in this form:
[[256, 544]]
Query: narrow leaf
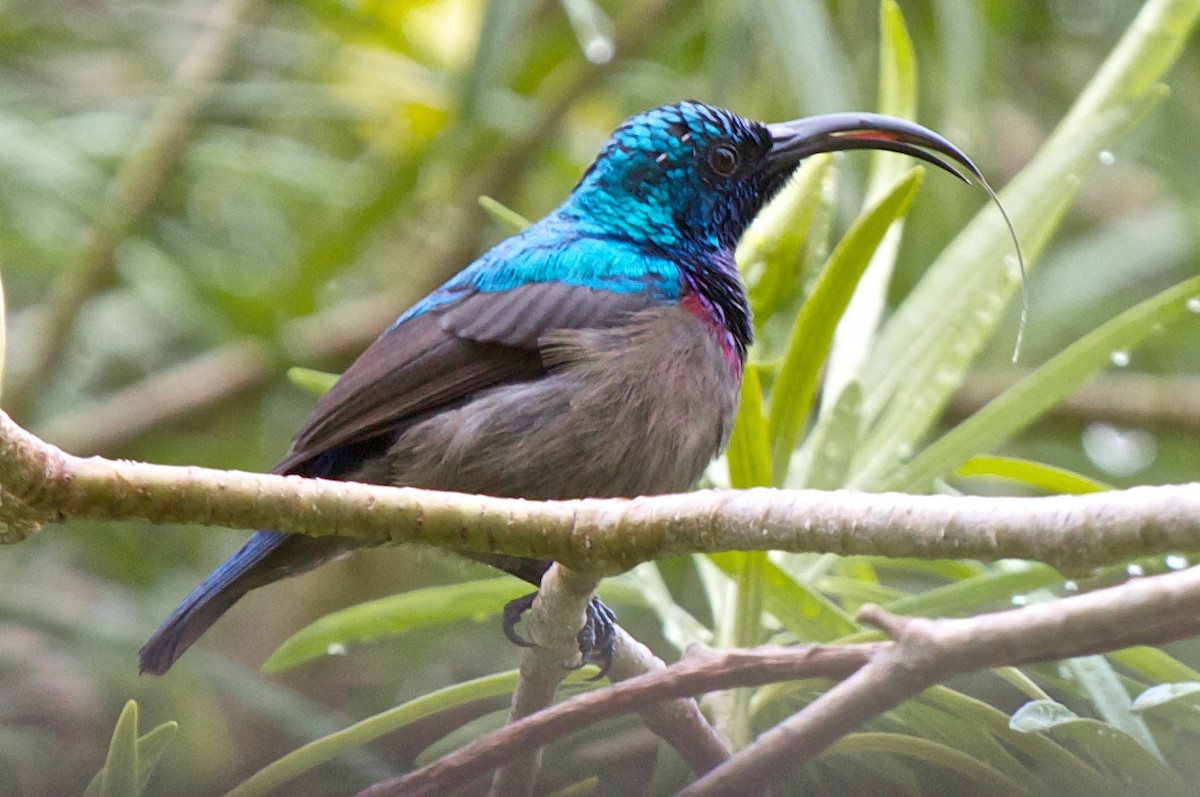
[[1106, 746], [503, 214], [1023, 403], [1104, 688], [897, 97], [310, 381], [769, 252], [1045, 477], [985, 779], [749, 452], [812, 333], [394, 615], [121, 777]]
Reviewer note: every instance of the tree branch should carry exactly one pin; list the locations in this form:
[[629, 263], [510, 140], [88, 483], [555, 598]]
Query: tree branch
[[42, 484], [878, 676], [699, 671], [1144, 611]]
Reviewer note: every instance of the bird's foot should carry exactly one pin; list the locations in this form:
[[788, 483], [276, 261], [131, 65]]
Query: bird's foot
[[597, 639]]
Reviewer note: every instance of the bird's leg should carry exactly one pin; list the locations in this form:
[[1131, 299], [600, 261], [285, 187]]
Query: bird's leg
[[597, 639]]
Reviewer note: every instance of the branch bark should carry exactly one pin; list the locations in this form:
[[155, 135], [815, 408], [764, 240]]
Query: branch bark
[[877, 676], [39, 483]]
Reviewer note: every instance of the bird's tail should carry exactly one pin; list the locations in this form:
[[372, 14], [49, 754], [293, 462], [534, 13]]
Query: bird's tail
[[267, 556]]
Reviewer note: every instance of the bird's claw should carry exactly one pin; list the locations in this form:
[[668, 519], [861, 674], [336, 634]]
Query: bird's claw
[[513, 610], [597, 639]]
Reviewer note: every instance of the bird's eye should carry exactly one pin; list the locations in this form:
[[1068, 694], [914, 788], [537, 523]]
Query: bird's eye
[[724, 160]]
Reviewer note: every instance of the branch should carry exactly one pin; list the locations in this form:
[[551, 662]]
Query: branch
[[1132, 399], [1144, 611], [699, 671], [878, 676], [42, 484], [552, 624]]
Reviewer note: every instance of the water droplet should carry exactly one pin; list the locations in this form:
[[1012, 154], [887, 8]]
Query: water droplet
[[599, 50], [1020, 600], [335, 649], [1121, 452], [1193, 304], [1106, 158], [1135, 570], [1119, 358], [1070, 586], [1175, 561], [904, 451]]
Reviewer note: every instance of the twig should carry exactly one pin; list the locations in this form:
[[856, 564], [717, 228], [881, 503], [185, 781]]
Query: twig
[[699, 671], [134, 187], [1131, 399], [168, 396], [602, 536], [1145, 611], [878, 676], [556, 617]]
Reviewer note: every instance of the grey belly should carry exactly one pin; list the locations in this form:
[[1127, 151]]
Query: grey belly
[[631, 411]]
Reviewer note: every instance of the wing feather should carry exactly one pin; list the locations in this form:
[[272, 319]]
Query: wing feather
[[442, 357]]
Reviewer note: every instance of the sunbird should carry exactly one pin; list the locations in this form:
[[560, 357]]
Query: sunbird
[[597, 353]]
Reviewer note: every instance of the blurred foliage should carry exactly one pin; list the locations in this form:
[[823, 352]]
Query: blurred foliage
[[333, 177]]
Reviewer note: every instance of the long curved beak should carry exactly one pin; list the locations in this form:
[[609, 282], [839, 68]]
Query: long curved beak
[[795, 140]]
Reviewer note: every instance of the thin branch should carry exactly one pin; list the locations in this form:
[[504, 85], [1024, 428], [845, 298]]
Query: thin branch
[[1144, 611], [134, 187], [604, 536], [1129, 399], [699, 671], [552, 624], [877, 677], [166, 397]]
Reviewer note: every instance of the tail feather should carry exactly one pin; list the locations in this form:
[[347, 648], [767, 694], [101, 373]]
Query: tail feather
[[267, 556]]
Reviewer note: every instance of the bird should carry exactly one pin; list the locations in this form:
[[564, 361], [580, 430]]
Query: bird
[[597, 353]]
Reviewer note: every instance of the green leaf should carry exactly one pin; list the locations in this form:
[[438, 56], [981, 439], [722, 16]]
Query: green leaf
[[311, 381], [321, 750], [749, 454], [1104, 688], [1106, 746], [897, 97], [502, 213], [831, 444], [1154, 664], [1177, 703], [1021, 404], [805, 612], [769, 252], [120, 775], [985, 779], [961, 596], [471, 600], [1058, 767], [1045, 477], [812, 333], [925, 348], [131, 760]]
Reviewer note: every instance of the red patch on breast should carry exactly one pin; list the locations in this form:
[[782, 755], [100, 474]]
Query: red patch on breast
[[697, 306]]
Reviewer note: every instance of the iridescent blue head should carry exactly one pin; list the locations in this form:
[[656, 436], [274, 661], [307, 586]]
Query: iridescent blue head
[[684, 181], [681, 176], [692, 177]]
